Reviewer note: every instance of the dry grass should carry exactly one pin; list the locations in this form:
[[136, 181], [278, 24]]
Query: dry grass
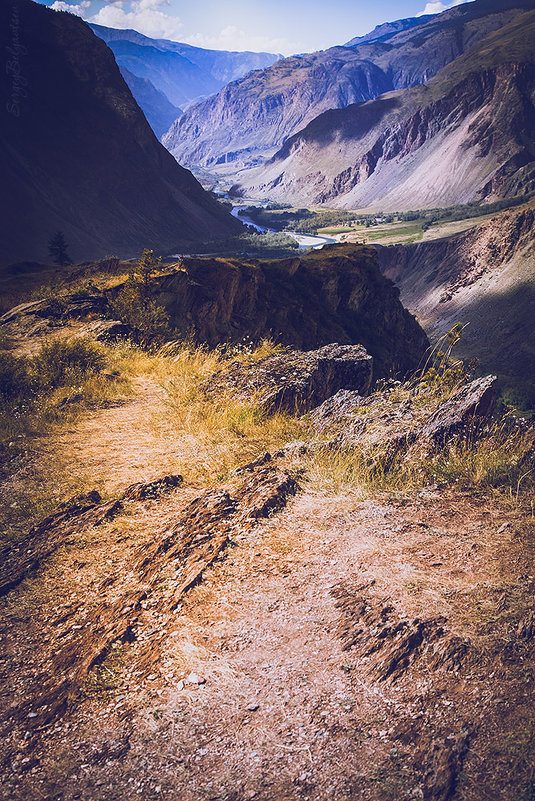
[[499, 458], [227, 431], [145, 416]]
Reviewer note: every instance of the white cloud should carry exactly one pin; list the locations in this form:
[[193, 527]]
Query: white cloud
[[233, 38], [78, 9], [144, 16], [437, 6]]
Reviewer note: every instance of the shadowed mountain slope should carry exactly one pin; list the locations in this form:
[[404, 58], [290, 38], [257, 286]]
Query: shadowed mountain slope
[[160, 113], [465, 135], [484, 277], [78, 154], [250, 118]]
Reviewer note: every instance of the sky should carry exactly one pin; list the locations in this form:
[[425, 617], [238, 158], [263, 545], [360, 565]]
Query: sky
[[275, 26]]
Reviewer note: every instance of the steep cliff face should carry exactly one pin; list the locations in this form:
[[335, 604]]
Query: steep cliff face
[[334, 295], [251, 117], [467, 134], [484, 277], [78, 154]]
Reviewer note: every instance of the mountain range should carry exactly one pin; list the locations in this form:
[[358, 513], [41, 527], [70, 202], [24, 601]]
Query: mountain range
[[467, 134], [181, 72], [250, 119], [79, 155]]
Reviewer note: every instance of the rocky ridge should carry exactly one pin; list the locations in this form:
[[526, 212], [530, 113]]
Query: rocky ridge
[[250, 118], [158, 110], [389, 153]]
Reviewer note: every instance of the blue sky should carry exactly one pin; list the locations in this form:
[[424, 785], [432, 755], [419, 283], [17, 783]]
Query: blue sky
[[282, 26]]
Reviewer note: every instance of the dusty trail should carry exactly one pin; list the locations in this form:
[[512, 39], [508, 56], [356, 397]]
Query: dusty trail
[[278, 706], [130, 441]]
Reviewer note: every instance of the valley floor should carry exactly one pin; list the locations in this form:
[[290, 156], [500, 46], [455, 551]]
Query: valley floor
[[352, 645]]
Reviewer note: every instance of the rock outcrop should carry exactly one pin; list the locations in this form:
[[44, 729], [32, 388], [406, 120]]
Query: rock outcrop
[[349, 420], [78, 154], [71, 517], [336, 294], [474, 400], [296, 381], [161, 573], [389, 642]]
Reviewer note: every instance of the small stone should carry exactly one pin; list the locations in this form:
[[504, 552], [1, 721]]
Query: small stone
[[193, 678], [253, 706], [32, 714]]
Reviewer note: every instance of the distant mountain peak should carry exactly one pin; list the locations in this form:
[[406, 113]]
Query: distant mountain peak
[[387, 29], [181, 72]]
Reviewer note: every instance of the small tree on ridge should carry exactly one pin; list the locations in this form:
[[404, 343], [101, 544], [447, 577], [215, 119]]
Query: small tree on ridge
[[57, 249]]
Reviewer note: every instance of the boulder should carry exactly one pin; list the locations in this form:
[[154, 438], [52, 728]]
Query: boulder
[[398, 419], [474, 400], [297, 381], [142, 491], [109, 330], [337, 407]]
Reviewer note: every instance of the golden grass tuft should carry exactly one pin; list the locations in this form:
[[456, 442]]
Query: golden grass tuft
[[227, 431], [496, 458]]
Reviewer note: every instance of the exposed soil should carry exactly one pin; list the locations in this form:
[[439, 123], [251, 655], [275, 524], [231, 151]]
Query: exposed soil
[[375, 648]]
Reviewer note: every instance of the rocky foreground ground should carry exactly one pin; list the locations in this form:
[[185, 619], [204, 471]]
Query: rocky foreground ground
[[278, 634]]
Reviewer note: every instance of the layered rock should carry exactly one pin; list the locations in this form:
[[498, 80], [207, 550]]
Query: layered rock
[[350, 420], [161, 573]]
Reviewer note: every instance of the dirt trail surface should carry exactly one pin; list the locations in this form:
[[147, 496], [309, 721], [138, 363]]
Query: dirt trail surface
[[268, 640], [131, 441]]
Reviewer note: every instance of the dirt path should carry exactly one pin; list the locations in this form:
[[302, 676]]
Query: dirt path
[[346, 648], [119, 445], [107, 449], [283, 710]]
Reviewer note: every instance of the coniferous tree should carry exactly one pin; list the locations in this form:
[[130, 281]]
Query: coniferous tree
[[57, 249]]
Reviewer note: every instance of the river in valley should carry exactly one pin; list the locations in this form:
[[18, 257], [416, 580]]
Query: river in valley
[[304, 240]]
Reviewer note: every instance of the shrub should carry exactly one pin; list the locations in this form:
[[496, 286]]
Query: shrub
[[134, 303], [64, 362], [15, 378], [441, 373]]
